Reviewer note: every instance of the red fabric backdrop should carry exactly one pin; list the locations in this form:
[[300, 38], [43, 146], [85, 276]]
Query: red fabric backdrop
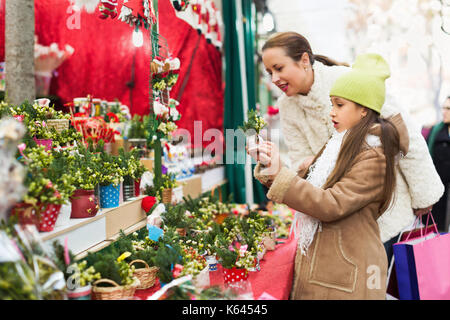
[[101, 64]]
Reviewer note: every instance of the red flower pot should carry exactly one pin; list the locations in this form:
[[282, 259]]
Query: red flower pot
[[84, 204], [25, 214], [44, 219], [47, 217], [234, 275], [137, 191]]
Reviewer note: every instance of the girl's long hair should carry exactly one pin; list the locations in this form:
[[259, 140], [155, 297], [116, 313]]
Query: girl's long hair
[[355, 141], [295, 45]]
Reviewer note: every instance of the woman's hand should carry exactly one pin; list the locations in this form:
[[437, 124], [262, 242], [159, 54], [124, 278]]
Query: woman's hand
[[422, 211]]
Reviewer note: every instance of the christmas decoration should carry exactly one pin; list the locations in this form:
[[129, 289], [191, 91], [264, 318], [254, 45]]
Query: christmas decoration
[[88, 5], [180, 5], [137, 13], [107, 9]]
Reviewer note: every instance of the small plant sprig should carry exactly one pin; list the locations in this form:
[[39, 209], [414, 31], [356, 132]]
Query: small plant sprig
[[254, 124]]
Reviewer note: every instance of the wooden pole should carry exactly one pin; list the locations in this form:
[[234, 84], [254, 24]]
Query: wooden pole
[[19, 51]]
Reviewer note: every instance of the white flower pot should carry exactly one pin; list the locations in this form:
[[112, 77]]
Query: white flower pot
[[64, 215]]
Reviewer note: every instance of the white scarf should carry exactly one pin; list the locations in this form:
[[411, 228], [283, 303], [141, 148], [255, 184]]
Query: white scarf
[[304, 226]]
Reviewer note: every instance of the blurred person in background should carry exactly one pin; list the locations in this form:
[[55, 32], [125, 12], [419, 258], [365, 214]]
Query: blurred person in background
[[439, 146]]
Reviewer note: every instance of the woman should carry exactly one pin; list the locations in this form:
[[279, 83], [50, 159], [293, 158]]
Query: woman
[[349, 185], [306, 80]]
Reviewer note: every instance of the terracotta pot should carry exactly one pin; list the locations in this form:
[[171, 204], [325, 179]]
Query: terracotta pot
[[84, 204], [181, 231]]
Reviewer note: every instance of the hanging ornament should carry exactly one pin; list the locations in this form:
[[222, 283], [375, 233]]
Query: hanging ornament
[[88, 5], [180, 5], [107, 9], [138, 12]]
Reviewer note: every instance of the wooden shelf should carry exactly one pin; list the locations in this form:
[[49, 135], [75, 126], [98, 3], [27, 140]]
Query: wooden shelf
[[96, 233]]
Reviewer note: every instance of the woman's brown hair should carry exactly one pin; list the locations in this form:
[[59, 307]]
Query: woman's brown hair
[[355, 141], [295, 45]]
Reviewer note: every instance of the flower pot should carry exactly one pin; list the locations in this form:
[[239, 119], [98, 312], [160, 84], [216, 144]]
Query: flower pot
[[137, 190], [82, 293], [212, 262], [64, 215], [167, 196], [128, 189], [43, 218], [109, 196], [84, 204], [120, 193], [47, 143], [25, 214], [181, 231], [234, 275], [47, 216]]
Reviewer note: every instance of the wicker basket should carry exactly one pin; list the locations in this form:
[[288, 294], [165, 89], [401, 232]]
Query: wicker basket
[[113, 293], [59, 124], [167, 196], [146, 276]]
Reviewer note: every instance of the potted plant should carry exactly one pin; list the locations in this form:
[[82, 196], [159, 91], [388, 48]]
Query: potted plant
[[117, 277], [132, 171], [234, 258], [175, 217], [48, 187], [168, 182], [78, 276], [85, 171], [111, 176]]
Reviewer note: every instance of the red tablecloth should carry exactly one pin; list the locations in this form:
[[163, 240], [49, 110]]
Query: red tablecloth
[[275, 277]]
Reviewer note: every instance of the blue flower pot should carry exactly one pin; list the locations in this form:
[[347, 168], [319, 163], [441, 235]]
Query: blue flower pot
[[109, 196]]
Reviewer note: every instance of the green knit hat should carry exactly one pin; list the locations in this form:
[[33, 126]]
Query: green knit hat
[[364, 83]]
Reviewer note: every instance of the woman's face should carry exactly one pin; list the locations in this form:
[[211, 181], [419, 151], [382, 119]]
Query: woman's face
[[292, 77], [446, 111], [345, 114]]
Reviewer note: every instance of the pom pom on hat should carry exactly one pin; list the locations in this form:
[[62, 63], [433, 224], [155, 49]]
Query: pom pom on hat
[[365, 82]]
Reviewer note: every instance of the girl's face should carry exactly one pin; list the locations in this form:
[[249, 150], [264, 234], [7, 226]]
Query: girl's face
[[292, 77], [345, 114]]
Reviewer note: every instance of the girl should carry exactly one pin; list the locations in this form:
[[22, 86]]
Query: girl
[[306, 80], [349, 185]]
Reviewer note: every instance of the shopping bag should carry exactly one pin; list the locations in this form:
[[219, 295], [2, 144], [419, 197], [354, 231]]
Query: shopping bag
[[392, 286], [432, 264], [405, 266]]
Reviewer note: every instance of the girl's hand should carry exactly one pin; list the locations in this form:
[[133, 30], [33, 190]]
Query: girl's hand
[[306, 163], [269, 156]]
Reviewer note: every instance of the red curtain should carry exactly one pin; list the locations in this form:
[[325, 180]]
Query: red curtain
[[102, 62]]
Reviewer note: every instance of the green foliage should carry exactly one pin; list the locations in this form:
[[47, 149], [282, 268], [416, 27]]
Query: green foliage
[[255, 122]]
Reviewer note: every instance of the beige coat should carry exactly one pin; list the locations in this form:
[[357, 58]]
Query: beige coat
[[347, 259]]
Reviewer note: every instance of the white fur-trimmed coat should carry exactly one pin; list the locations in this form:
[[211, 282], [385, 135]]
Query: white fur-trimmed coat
[[306, 126]]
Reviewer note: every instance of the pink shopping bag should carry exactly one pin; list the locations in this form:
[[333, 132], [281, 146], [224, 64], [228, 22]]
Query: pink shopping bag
[[432, 259]]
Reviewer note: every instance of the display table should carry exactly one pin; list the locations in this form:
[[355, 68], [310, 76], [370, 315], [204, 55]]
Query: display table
[[275, 277]]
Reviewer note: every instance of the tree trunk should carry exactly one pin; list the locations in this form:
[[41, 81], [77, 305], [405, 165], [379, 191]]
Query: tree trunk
[[19, 51]]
